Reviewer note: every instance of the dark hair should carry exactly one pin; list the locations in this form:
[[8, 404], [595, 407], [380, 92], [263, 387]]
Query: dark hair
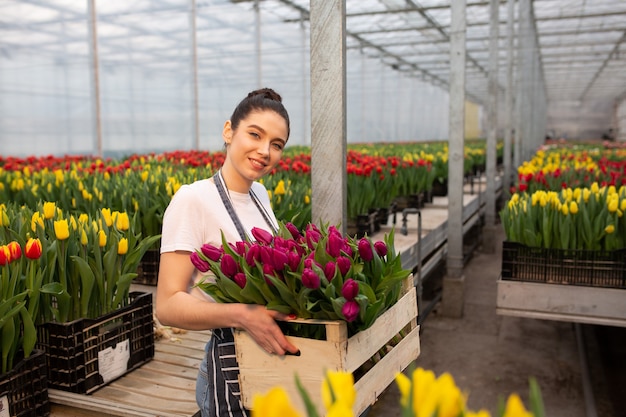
[[258, 100]]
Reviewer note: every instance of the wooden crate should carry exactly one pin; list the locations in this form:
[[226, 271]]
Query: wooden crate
[[260, 371]]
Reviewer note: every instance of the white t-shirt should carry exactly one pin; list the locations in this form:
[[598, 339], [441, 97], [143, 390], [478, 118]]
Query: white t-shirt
[[196, 215]]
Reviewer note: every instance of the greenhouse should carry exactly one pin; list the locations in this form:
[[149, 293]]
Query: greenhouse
[[446, 188]]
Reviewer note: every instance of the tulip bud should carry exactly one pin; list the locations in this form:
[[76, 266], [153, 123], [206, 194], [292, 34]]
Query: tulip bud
[[15, 251], [350, 310], [312, 236], [381, 248], [295, 233], [49, 208], [199, 263], [240, 279], [294, 261], [211, 252], [329, 270], [122, 246], [350, 289], [344, 265], [36, 220], [253, 255], [122, 222], [279, 259], [228, 265], [33, 249], [5, 255], [334, 244], [310, 279], [102, 239], [365, 250], [106, 214], [262, 235], [61, 229]]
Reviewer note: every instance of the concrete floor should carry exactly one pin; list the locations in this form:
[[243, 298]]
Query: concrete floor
[[491, 356]]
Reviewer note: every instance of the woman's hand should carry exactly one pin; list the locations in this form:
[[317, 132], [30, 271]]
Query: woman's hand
[[261, 324]]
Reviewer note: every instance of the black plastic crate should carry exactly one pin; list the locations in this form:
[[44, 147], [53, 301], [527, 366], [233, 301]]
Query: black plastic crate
[[86, 354], [148, 269], [24, 389], [564, 266]]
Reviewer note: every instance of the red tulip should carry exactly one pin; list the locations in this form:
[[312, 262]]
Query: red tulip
[[15, 250], [5, 255], [329, 270], [344, 265], [240, 279], [381, 248], [33, 249]]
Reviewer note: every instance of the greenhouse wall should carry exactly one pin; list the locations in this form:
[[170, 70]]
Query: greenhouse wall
[[620, 120], [579, 120]]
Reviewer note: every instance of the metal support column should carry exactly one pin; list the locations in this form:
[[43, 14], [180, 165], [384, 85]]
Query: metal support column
[[453, 283], [508, 99], [95, 74], [489, 241], [194, 76], [328, 112]]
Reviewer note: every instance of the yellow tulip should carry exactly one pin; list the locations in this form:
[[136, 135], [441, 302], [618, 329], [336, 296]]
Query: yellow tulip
[[273, 404], [307, 199], [586, 194], [481, 413], [595, 188], [612, 205], [573, 207], [565, 209], [424, 392], [122, 246], [83, 238], [106, 215], [622, 205], [4, 217], [36, 220], [122, 221], [144, 175], [83, 219], [73, 223], [49, 209], [451, 400], [404, 385], [609, 229], [339, 410], [61, 229], [342, 384], [280, 188], [515, 407], [102, 238]]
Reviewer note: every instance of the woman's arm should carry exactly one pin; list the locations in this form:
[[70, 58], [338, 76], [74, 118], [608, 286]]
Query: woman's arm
[[176, 307]]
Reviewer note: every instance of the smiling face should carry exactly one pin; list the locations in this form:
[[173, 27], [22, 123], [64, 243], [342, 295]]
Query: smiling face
[[253, 148]]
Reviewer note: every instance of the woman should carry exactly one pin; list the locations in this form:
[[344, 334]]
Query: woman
[[232, 202]]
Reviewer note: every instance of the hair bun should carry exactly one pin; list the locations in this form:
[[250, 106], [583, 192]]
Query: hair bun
[[267, 93]]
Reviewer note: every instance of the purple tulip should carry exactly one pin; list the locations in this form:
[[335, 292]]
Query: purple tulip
[[365, 250], [329, 270], [265, 253], [198, 262], [295, 233], [294, 260], [211, 252], [253, 255], [334, 244], [240, 248], [262, 235], [240, 279], [279, 259], [344, 265], [347, 249], [381, 248], [228, 265], [350, 289], [310, 279], [312, 237], [350, 310]]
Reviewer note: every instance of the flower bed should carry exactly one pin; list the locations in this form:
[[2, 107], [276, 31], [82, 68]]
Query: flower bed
[[259, 371], [86, 354], [595, 268], [24, 389]]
